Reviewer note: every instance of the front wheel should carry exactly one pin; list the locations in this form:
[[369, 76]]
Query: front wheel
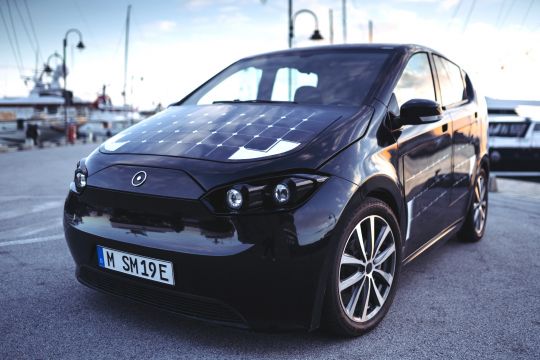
[[475, 221], [365, 270]]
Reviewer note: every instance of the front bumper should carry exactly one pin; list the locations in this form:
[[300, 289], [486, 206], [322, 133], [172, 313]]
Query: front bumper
[[265, 271], [522, 159]]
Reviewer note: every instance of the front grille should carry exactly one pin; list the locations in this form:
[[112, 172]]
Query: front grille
[[182, 304], [502, 111], [508, 129]]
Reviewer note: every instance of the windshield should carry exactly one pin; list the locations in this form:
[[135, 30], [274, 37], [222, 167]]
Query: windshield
[[319, 78]]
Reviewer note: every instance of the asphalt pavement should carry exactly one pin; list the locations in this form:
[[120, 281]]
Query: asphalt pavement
[[458, 301]]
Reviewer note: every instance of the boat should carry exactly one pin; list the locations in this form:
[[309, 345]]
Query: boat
[[41, 113], [106, 120], [42, 116]]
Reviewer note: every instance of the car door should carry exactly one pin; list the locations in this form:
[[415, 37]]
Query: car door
[[457, 102], [426, 158]]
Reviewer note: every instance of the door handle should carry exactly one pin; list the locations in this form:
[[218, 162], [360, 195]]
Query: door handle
[[445, 127]]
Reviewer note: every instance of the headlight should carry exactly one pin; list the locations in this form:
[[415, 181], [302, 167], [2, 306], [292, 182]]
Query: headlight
[[80, 177], [282, 194], [80, 180], [234, 199], [270, 194]]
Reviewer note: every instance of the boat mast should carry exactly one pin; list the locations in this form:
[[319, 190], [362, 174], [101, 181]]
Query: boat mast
[[126, 54]]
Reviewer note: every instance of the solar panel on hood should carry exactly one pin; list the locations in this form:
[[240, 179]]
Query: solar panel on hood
[[224, 132]]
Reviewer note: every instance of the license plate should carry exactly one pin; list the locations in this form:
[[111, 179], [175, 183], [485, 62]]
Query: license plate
[[136, 265]]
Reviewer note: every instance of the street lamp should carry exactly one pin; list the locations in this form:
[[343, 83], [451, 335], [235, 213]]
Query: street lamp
[[47, 69], [315, 36], [292, 18], [80, 46]]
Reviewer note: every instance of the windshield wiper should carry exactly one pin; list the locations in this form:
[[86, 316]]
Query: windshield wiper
[[253, 102]]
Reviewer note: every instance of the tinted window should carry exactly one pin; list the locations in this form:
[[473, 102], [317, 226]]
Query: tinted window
[[329, 78], [242, 85], [450, 80], [416, 82], [468, 94], [288, 81]]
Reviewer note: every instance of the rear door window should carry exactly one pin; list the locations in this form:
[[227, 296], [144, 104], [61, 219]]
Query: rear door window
[[451, 82]]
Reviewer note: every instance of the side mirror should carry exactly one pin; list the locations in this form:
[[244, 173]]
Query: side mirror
[[420, 111]]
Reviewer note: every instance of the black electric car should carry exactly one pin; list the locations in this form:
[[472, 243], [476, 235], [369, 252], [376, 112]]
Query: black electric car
[[288, 190]]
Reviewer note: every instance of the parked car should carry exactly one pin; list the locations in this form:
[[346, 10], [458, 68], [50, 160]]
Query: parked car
[[514, 136], [287, 191]]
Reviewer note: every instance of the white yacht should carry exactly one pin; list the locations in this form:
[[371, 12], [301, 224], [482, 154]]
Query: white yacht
[[106, 120], [40, 115], [42, 111]]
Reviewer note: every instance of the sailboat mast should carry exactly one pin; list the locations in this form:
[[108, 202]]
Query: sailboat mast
[[126, 53]]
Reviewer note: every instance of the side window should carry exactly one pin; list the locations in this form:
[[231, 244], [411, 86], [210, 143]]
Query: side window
[[468, 94], [294, 78], [416, 82], [450, 80], [242, 85]]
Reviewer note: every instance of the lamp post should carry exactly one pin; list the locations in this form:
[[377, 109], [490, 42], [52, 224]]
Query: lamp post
[[47, 69], [315, 36], [80, 46], [292, 18]]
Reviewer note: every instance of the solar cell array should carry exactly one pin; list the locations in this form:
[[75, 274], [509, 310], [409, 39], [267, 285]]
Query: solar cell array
[[222, 132]]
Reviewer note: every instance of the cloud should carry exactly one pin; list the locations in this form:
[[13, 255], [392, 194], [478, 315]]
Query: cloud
[[448, 4], [417, 1], [166, 25], [215, 4]]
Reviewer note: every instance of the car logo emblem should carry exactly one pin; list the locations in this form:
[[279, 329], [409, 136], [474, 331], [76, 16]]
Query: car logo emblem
[[139, 178]]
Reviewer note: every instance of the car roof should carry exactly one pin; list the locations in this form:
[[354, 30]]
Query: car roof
[[402, 48]]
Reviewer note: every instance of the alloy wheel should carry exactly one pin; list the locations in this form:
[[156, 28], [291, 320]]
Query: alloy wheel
[[367, 268], [479, 204]]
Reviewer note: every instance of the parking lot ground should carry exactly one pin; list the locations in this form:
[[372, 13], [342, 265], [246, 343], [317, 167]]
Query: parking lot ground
[[458, 301]]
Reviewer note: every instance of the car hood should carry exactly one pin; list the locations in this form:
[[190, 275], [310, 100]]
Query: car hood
[[227, 132]]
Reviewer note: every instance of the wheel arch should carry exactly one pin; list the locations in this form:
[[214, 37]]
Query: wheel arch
[[386, 189], [484, 163]]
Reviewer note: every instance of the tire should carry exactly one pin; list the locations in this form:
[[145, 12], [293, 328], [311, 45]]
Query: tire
[[354, 269], [475, 221]]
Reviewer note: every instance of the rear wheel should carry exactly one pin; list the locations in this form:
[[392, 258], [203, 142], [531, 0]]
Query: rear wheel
[[475, 222], [365, 270]]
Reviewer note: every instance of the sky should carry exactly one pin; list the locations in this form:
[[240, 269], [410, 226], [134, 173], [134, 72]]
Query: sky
[[175, 45]]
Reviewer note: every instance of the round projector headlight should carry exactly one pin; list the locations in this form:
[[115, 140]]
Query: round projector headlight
[[234, 199], [282, 194], [80, 180]]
